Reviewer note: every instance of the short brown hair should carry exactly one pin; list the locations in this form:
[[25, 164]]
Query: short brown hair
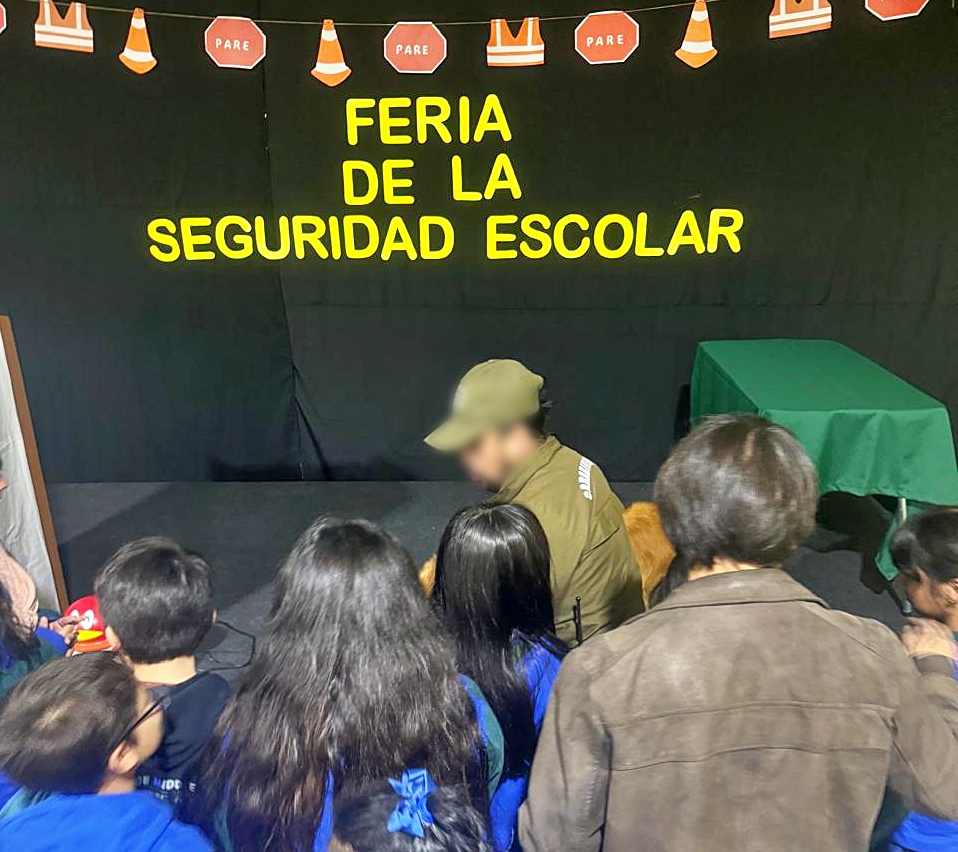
[[739, 488]]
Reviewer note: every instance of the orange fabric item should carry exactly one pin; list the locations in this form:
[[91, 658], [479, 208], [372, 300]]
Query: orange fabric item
[[331, 68], [137, 55], [427, 575], [697, 48], [71, 32], [653, 551], [507, 50]]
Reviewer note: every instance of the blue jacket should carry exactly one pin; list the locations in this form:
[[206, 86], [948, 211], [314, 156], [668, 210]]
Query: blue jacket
[[539, 665], [125, 822], [920, 833]]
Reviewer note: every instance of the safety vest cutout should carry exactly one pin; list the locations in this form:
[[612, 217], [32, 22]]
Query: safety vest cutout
[[796, 17], [71, 32], [506, 50]]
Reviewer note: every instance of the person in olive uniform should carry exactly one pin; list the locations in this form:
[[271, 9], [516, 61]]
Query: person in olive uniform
[[497, 428]]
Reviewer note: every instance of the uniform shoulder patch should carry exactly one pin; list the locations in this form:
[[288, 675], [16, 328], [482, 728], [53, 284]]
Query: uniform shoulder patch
[[585, 477]]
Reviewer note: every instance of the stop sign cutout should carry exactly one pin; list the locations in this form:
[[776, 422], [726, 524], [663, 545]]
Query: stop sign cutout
[[414, 47], [606, 37], [3, 18], [235, 42], [888, 10]]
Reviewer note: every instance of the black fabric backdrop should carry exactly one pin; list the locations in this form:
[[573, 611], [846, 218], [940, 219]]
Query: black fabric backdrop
[[837, 146]]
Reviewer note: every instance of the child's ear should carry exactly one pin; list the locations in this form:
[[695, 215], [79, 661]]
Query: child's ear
[[113, 639], [951, 590], [215, 616], [124, 759]]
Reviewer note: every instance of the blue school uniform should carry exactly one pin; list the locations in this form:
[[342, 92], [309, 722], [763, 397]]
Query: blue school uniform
[[12, 670], [539, 665], [492, 741], [919, 833], [125, 822]]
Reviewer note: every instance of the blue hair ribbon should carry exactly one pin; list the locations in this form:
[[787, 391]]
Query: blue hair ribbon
[[412, 813]]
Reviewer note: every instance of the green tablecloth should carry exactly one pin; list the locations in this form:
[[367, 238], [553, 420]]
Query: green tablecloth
[[867, 430]]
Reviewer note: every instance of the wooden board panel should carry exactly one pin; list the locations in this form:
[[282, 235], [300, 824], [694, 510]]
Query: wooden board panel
[[33, 457]]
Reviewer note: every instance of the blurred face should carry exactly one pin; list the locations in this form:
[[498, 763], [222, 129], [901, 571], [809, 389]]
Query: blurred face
[[927, 596], [485, 460]]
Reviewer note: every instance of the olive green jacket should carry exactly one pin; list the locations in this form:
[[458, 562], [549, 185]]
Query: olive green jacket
[[582, 518]]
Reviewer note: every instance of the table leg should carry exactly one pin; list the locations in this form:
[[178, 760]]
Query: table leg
[[902, 509], [902, 513]]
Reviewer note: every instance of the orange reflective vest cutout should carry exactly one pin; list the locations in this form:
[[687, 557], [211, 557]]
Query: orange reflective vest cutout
[[71, 32], [506, 50]]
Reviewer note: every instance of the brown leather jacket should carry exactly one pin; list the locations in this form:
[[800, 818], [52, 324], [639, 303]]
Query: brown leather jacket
[[740, 715]]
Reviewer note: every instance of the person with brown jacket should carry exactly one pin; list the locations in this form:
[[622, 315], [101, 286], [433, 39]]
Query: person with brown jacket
[[742, 713]]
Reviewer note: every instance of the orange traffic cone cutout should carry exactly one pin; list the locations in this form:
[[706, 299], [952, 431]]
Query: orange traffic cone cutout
[[137, 55], [697, 48], [331, 69]]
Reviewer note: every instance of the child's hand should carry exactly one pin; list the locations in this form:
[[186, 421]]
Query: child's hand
[[924, 637], [66, 627]]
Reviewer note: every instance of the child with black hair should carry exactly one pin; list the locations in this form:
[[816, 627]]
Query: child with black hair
[[156, 602], [493, 590], [72, 735], [413, 816], [354, 680], [925, 552]]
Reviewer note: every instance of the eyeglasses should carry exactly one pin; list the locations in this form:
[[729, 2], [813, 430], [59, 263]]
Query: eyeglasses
[[162, 703]]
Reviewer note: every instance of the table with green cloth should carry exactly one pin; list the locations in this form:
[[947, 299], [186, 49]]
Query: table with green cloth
[[867, 430]]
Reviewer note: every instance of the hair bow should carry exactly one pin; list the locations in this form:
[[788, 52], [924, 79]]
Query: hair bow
[[412, 813]]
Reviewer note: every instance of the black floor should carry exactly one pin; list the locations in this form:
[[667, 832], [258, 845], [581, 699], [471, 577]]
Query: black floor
[[245, 529]]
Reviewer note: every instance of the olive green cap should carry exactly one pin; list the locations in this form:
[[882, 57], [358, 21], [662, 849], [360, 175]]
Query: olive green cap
[[493, 393]]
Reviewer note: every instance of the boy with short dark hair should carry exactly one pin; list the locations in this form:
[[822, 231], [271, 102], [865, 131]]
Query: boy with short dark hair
[[156, 601], [72, 735]]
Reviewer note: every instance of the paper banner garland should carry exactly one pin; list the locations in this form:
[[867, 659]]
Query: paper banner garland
[[697, 48], [235, 42], [506, 50], [3, 17], [331, 68], [796, 17], [606, 37], [137, 55], [890, 10], [419, 47], [71, 32], [414, 47]]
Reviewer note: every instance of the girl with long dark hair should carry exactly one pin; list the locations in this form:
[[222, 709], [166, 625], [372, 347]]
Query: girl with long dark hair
[[492, 585], [354, 679]]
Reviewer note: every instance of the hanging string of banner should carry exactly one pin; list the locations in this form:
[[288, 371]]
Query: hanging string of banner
[[419, 47]]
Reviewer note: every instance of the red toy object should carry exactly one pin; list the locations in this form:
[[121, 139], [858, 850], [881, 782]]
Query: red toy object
[[91, 632]]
